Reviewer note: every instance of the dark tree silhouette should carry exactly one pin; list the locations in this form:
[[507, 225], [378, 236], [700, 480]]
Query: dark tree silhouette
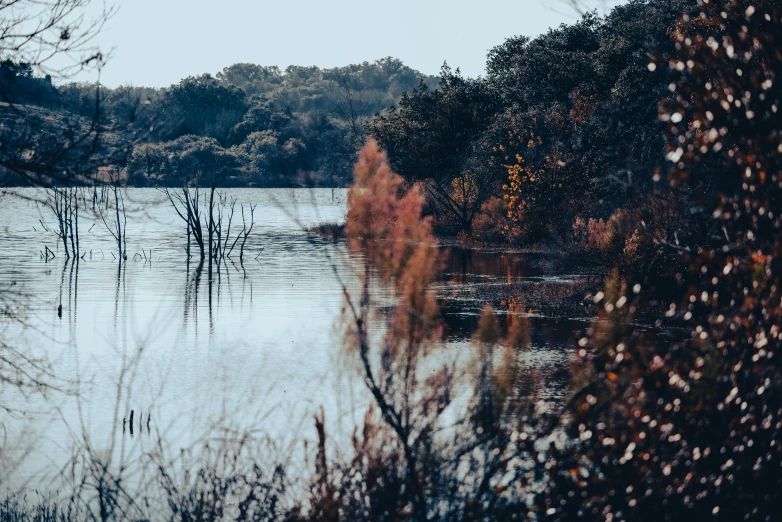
[[689, 429]]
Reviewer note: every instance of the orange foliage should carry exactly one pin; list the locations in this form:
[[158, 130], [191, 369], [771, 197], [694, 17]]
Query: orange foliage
[[494, 222], [387, 223]]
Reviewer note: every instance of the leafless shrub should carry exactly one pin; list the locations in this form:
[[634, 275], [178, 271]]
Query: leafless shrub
[[52, 35], [187, 207], [64, 203], [119, 227], [227, 478]]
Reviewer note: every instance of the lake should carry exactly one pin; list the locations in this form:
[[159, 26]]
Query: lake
[[257, 347]]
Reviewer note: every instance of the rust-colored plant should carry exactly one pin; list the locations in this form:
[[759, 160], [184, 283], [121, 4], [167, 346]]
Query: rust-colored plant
[[447, 442]]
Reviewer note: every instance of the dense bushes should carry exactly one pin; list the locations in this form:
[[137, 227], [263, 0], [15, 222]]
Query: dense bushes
[[431, 137], [564, 125], [17, 82], [688, 428]]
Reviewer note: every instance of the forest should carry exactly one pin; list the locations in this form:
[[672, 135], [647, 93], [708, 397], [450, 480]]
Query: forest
[[248, 125], [621, 176], [563, 130]]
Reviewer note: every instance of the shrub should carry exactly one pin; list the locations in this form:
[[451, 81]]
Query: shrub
[[493, 224]]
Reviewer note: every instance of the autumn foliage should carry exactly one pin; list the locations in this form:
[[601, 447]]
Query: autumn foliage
[[442, 427]]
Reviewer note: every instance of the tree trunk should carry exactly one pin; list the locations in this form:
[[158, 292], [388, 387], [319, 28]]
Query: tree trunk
[[211, 225]]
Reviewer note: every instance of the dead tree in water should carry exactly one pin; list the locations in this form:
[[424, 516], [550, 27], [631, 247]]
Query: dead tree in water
[[63, 201], [225, 206], [186, 205], [246, 230], [211, 224], [220, 208], [59, 206], [118, 231], [244, 233]]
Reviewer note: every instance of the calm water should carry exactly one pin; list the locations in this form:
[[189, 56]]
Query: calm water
[[257, 346]]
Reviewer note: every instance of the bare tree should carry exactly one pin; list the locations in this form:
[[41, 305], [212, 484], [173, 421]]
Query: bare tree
[[211, 224], [351, 107], [247, 227], [119, 226], [53, 36], [64, 203], [187, 207], [219, 213], [225, 208], [582, 7]]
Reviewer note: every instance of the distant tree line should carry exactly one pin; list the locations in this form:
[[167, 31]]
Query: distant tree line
[[562, 127], [249, 125]]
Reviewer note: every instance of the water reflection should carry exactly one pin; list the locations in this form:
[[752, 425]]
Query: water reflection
[[127, 425], [254, 340]]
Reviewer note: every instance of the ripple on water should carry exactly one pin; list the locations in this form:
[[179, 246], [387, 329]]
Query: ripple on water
[[258, 341]]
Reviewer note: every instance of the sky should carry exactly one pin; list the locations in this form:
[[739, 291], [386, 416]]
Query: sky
[[158, 42]]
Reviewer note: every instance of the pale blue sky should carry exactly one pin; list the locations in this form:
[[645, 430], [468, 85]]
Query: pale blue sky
[[158, 42]]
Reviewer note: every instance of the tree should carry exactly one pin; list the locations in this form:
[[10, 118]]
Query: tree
[[430, 138], [688, 428], [128, 104], [253, 79], [445, 442], [189, 157], [54, 38], [582, 115], [203, 106], [19, 85], [51, 36], [263, 115]]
